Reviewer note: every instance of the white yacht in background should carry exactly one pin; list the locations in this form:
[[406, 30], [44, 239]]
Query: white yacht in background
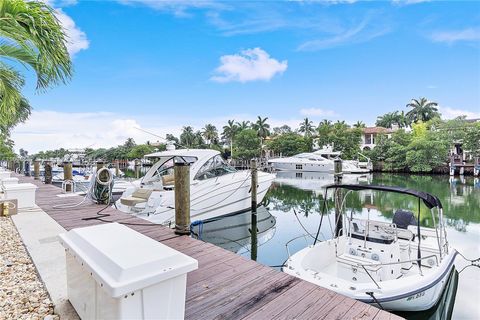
[[303, 162], [216, 188], [348, 166], [397, 266]]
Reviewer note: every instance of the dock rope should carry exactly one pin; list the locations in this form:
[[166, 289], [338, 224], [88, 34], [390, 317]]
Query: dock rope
[[473, 262]]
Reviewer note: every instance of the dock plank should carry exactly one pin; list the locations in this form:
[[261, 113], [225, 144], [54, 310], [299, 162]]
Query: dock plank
[[226, 285]]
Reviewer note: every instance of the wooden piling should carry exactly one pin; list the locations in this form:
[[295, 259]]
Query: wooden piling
[[117, 168], [337, 176], [36, 169], [137, 168], [68, 175], [48, 172], [253, 227], [182, 198]]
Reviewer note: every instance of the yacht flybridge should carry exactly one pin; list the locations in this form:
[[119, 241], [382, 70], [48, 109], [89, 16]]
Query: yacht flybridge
[[397, 266], [216, 188]]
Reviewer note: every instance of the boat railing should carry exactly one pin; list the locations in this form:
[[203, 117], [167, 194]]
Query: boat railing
[[304, 236], [396, 262]]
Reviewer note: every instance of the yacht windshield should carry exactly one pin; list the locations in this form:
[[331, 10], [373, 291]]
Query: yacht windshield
[[163, 167], [214, 167]]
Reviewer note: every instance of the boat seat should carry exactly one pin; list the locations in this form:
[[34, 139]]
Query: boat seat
[[139, 196], [168, 180]]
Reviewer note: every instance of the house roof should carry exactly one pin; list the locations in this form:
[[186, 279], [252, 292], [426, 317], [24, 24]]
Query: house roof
[[377, 130]]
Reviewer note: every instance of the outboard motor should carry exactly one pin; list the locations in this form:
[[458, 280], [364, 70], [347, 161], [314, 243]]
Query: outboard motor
[[403, 219]]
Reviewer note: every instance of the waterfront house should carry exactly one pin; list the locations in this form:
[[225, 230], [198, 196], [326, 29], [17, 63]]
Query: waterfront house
[[370, 134]]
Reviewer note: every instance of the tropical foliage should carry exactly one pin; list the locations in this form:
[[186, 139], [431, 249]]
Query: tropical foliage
[[30, 35], [422, 110]]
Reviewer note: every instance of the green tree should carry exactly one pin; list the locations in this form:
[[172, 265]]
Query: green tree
[[281, 130], [248, 144], [229, 132], [324, 130], [360, 125], [389, 119], [472, 139], [187, 136], [139, 151], [210, 134], [306, 127], [31, 35], [243, 125], [422, 110], [289, 144], [262, 128]]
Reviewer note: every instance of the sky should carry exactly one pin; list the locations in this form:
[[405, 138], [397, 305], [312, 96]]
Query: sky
[[162, 65]]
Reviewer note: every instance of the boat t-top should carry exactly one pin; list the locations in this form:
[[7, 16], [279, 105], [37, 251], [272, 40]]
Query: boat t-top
[[396, 265], [216, 188]]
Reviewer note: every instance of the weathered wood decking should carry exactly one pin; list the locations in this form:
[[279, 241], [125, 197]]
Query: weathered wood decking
[[226, 285]]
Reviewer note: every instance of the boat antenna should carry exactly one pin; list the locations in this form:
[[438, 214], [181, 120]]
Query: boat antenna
[[163, 138]]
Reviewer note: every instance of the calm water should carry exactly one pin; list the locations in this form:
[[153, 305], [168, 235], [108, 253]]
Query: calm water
[[292, 208]]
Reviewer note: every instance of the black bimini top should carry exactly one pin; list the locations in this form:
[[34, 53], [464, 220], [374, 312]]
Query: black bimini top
[[430, 200]]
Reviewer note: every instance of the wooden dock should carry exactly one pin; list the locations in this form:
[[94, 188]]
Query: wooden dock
[[226, 285]]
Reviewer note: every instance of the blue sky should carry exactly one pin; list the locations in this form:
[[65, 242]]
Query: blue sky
[[162, 65]]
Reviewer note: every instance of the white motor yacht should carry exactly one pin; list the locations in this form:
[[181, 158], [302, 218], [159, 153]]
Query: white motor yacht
[[216, 188], [397, 266], [303, 162], [348, 166]]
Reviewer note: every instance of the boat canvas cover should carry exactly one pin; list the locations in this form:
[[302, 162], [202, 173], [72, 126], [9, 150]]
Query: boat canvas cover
[[430, 200]]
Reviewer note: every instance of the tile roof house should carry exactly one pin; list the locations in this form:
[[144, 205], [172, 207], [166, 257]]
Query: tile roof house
[[370, 134]]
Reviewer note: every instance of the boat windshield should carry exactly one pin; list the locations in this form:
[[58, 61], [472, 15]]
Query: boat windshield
[[214, 167], [163, 167]]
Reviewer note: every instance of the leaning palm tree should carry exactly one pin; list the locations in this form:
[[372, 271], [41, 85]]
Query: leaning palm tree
[[229, 132], [31, 35], [422, 110], [306, 127]]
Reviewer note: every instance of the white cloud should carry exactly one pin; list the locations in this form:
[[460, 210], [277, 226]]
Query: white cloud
[[451, 113], [178, 8], [450, 37], [76, 38], [317, 112], [362, 32], [249, 65], [407, 2]]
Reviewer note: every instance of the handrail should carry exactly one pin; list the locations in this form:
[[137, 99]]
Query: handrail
[[296, 238], [392, 263]]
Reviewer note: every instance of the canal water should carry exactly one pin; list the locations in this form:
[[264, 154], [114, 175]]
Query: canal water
[[292, 209]]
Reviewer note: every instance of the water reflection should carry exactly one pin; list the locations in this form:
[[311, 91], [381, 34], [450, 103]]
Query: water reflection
[[234, 232], [295, 200]]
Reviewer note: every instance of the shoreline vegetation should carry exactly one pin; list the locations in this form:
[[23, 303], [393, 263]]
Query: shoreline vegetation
[[416, 142]]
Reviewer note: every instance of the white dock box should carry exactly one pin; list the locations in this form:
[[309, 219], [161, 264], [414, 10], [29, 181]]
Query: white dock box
[[23, 192], [5, 174], [9, 181], [114, 272]]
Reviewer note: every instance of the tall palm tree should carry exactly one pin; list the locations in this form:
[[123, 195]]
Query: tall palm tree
[[229, 132], [187, 136], [243, 125], [210, 133], [262, 128], [422, 110], [306, 127], [31, 35]]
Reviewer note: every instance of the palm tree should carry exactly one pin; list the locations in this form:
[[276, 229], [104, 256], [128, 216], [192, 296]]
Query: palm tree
[[210, 133], [422, 110], [187, 136], [306, 127], [243, 125], [359, 125], [31, 35], [262, 128], [229, 132]]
